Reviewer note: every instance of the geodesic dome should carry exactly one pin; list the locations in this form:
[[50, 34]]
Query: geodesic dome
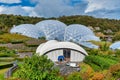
[[75, 32], [89, 45], [80, 34], [90, 38], [53, 29], [115, 45], [27, 30]]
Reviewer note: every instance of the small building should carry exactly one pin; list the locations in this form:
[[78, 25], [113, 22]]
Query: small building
[[62, 51], [97, 28]]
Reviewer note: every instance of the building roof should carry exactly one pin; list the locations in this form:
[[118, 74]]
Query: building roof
[[27, 30], [80, 34], [53, 45], [53, 29], [115, 45]]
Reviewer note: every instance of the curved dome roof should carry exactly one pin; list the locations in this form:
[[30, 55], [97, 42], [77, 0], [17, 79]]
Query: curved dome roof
[[89, 38], [75, 32], [89, 45], [27, 30], [53, 44], [80, 34], [115, 45], [52, 29]]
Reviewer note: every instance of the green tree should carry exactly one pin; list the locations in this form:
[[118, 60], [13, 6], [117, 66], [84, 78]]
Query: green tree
[[116, 36], [38, 68]]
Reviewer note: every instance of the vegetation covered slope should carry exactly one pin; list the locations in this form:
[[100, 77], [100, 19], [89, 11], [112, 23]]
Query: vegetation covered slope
[[7, 21]]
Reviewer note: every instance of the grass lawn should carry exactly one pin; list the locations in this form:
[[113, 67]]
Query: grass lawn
[[3, 63], [6, 59], [2, 73]]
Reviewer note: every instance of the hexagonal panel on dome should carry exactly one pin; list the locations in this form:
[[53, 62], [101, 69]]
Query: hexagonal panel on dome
[[27, 30], [52, 29]]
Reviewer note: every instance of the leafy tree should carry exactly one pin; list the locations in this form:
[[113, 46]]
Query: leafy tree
[[38, 68], [116, 36]]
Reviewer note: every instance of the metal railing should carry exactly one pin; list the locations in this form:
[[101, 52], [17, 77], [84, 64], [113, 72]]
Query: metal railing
[[9, 72]]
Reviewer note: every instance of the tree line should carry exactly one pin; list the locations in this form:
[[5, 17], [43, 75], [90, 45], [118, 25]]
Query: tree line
[[7, 21]]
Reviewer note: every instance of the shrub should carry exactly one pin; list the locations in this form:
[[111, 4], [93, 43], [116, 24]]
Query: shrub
[[97, 76], [6, 66], [117, 53], [16, 41], [4, 52], [6, 38], [113, 72], [74, 76], [102, 62], [38, 68], [86, 71]]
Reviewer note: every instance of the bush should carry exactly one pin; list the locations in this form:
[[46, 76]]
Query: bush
[[113, 72], [6, 66], [38, 68], [74, 76], [102, 62], [117, 53], [16, 41], [97, 76], [86, 71], [4, 52], [7, 38]]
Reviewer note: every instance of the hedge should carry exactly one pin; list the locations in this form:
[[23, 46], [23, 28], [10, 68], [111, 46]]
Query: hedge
[[6, 66]]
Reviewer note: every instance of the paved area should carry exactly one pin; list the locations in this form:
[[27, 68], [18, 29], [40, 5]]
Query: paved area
[[25, 54], [65, 69]]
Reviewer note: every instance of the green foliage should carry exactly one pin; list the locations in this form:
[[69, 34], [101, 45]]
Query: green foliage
[[93, 52], [74, 76], [42, 38], [4, 52], [117, 53], [6, 59], [2, 76], [99, 62], [37, 68], [13, 38], [16, 41], [7, 21], [6, 66], [113, 72], [116, 36], [104, 47], [104, 24]]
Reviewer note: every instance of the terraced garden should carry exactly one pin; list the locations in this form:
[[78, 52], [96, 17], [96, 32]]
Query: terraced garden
[[102, 63]]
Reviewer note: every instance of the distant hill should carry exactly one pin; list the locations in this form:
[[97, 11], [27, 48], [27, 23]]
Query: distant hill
[[7, 21], [103, 24]]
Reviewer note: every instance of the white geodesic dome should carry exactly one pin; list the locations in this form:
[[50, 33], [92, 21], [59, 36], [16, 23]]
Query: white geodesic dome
[[27, 30], [80, 34], [75, 32], [115, 45], [53, 29]]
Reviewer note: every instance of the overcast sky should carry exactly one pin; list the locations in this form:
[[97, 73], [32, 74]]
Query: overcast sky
[[55, 8]]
